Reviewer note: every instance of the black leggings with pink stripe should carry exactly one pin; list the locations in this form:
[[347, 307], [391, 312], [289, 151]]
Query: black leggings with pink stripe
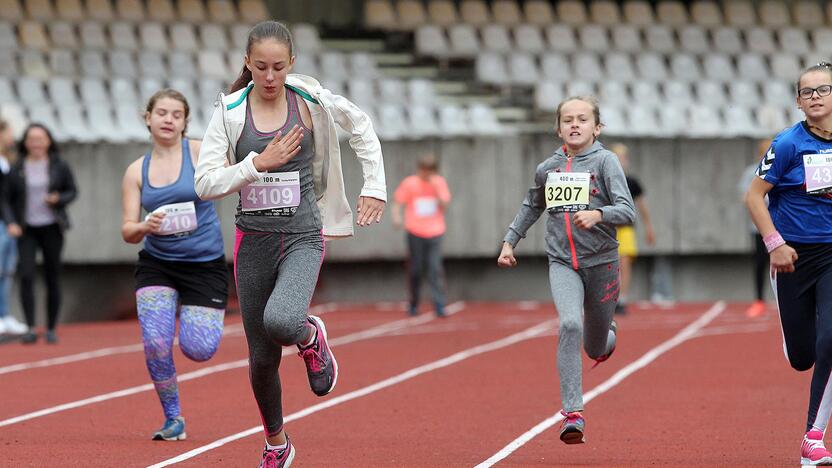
[[804, 299], [276, 275]]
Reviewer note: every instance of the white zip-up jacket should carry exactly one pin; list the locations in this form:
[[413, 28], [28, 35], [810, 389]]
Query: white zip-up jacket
[[219, 174]]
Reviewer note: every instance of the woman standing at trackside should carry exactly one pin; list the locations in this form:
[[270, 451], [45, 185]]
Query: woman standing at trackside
[[583, 189], [41, 185], [796, 174], [273, 140]]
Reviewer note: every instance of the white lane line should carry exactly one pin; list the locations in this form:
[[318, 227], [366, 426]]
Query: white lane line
[[230, 330], [685, 334], [341, 340], [527, 334]]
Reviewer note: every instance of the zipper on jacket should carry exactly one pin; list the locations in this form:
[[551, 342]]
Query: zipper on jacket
[[569, 221]]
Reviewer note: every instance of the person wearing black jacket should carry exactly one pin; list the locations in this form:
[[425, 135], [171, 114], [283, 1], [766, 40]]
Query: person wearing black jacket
[[40, 186]]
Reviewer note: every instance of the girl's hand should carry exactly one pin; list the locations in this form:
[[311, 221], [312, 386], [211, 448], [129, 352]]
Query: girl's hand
[[506, 258], [153, 222], [369, 209], [53, 198], [279, 151], [14, 230], [586, 219], [782, 259]]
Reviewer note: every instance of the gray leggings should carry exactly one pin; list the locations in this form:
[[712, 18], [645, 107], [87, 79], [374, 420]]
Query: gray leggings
[[585, 300], [276, 275]]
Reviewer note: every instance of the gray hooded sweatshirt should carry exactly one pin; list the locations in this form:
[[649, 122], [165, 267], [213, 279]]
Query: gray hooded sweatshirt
[[608, 193]]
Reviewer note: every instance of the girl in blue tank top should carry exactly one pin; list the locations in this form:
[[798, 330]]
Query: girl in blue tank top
[[183, 258]]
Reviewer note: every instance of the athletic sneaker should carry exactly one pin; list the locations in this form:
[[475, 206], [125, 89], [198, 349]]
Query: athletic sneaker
[[321, 367], [572, 428], [13, 326], [29, 337], [51, 337], [174, 429], [812, 450], [756, 309], [278, 458], [614, 328]]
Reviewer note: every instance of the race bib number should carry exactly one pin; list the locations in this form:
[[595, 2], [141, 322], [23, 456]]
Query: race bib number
[[180, 218], [277, 194], [818, 168], [425, 206], [567, 191]]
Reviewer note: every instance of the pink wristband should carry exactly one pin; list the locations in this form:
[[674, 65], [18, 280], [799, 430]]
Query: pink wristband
[[773, 241]]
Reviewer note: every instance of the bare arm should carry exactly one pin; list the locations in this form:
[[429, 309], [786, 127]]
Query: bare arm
[[649, 233], [783, 257], [132, 229], [397, 214]]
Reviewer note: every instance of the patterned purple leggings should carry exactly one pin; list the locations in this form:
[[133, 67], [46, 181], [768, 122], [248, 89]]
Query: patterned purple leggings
[[200, 330]]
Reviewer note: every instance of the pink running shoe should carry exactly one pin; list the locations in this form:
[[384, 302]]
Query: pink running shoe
[[614, 329], [321, 367], [278, 458], [572, 428], [812, 450]]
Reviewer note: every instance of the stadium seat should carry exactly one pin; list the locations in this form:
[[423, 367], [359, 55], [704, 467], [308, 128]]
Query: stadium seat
[[442, 12], [123, 91], [740, 13], [739, 121], [660, 38], [538, 12], [430, 41], [651, 67], [8, 63], [643, 120], [39, 10], [33, 64], [490, 68], [306, 38], [411, 14], [619, 66], [822, 41], [8, 37], [529, 38], [421, 91], [711, 93], [92, 64], [161, 11], [182, 64], [191, 11], [785, 67], [547, 95], [393, 90], [495, 38], [92, 91], [123, 36], [333, 63], [62, 34], [727, 40], [743, 93], [153, 37], [33, 35], [678, 94], [555, 67], [463, 40], [593, 38], [392, 123], [31, 92], [423, 121], [306, 65], [774, 13], [752, 67], [475, 12], [483, 120], [694, 39], [123, 63], [222, 11], [507, 12], [613, 93], [626, 38], [704, 122], [719, 67], [453, 121], [523, 69], [213, 37], [794, 40], [638, 13], [561, 38], [183, 37], [93, 35], [572, 12], [130, 10], [672, 13], [10, 10], [70, 10], [379, 14], [646, 93], [213, 65], [807, 14], [604, 12], [615, 121], [706, 13], [62, 63], [778, 93], [253, 11], [685, 67]]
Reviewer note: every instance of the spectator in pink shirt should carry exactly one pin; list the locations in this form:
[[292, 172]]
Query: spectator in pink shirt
[[425, 197]]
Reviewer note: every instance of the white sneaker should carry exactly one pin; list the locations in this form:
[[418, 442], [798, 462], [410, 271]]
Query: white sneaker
[[3, 327], [14, 327]]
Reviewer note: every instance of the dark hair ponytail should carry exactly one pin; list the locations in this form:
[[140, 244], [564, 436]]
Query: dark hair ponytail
[[265, 30]]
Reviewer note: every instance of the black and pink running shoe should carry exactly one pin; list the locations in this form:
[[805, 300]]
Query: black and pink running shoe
[[278, 458], [321, 367]]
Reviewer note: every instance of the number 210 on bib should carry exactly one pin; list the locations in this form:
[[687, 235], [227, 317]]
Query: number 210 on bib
[[567, 191]]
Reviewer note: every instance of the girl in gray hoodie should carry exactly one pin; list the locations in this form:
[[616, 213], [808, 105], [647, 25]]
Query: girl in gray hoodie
[[584, 192]]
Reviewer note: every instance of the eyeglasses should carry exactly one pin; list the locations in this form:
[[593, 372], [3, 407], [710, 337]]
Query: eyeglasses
[[822, 90]]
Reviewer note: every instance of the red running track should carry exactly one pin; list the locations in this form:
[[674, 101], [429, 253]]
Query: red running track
[[724, 396]]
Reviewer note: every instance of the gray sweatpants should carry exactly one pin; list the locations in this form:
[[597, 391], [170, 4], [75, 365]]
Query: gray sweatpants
[[276, 275], [585, 300]]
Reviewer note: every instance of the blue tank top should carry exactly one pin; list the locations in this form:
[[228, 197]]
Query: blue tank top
[[199, 245], [798, 216]]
